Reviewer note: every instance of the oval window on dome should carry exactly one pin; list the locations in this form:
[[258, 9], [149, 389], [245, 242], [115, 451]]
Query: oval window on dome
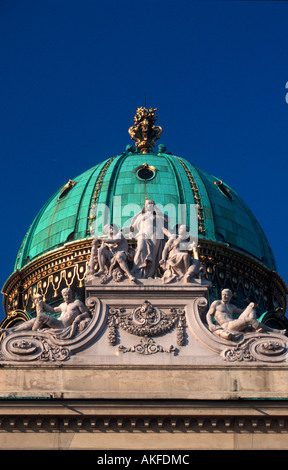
[[66, 189], [223, 188], [145, 172]]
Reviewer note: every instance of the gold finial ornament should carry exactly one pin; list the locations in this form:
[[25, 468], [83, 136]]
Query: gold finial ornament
[[144, 132]]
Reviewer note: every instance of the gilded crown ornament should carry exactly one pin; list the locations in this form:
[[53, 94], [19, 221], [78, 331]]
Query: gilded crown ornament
[[144, 131]]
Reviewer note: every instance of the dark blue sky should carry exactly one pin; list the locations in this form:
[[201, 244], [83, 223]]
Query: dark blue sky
[[73, 72]]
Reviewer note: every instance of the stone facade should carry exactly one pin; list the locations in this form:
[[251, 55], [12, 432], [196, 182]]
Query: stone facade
[[110, 393], [141, 424]]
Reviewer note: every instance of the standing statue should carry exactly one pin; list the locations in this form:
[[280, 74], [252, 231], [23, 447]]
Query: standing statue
[[147, 228], [72, 313], [176, 261], [230, 328], [113, 251]]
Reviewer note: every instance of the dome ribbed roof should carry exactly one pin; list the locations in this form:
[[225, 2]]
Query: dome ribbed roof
[[223, 216]]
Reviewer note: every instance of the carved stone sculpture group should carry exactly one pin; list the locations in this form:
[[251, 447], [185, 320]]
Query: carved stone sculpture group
[[46, 338], [157, 252], [56, 333]]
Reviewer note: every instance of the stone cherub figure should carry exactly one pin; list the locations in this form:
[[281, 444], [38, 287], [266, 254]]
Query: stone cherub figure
[[177, 261], [72, 313], [113, 250], [229, 327]]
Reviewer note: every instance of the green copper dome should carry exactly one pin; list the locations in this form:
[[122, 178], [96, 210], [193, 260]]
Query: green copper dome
[[160, 176]]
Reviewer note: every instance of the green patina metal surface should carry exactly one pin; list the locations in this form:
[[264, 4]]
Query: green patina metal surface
[[226, 218]]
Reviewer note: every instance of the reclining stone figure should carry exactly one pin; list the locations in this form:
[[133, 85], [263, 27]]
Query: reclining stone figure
[[72, 313], [229, 327]]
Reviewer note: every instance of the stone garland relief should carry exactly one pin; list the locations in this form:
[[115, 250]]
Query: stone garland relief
[[146, 321]]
